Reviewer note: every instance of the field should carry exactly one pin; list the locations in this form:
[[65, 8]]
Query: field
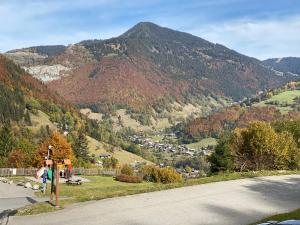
[[203, 143], [101, 187], [285, 98], [40, 119], [124, 157]]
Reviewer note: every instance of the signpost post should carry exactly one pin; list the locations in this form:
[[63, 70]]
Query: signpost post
[[57, 186], [55, 183], [55, 175], [53, 178]]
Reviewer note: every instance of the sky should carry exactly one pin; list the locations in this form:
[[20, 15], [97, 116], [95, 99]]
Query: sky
[[257, 28]]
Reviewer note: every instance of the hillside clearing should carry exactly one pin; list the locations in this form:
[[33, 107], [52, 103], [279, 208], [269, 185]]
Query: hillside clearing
[[287, 96], [40, 119], [203, 143], [283, 101], [97, 148]]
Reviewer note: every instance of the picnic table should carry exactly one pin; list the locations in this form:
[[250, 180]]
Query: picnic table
[[74, 182]]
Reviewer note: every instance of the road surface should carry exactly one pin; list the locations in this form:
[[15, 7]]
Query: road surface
[[13, 197], [231, 202]]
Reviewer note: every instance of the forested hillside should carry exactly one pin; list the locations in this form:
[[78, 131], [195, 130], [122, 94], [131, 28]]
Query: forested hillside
[[32, 117], [148, 67], [286, 64], [20, 91], [274, 105]]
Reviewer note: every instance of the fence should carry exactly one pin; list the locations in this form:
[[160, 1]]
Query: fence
[[94, 171], [4, 172]]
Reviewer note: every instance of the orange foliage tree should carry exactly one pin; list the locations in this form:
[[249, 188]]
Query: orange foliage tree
[[17, 159], [61, 149]]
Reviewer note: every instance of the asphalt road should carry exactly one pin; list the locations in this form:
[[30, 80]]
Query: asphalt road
[[13, 197], [231, 202]]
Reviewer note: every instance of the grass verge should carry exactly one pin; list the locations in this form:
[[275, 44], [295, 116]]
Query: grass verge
[[102, 187], [281, 217]]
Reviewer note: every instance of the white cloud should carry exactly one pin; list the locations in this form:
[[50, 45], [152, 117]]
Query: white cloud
[[258, 38]]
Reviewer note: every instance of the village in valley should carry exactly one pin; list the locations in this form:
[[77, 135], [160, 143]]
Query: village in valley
[[163, 146]]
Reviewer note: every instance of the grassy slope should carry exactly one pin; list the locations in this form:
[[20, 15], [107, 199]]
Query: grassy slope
[[284, 97], [203, 143], [40, 119], [98, 148], [178, 113], [95, 147], [106, 187]]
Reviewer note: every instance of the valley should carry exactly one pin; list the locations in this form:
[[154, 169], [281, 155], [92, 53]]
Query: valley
[[149, 112], [151, 95]]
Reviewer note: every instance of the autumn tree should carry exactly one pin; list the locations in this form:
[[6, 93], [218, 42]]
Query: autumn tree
[[254, 147], [259, 147], [61, 149], [288, 156], [22, 156], [17, 159], [291, 126]]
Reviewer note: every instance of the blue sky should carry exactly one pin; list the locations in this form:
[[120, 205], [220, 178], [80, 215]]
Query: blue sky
[[258, 28]]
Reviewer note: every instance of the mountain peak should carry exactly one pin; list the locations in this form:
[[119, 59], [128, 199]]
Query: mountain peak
[[146, 24], [144, 29]]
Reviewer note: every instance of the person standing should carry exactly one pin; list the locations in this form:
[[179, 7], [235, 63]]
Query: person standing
[[45, 176]]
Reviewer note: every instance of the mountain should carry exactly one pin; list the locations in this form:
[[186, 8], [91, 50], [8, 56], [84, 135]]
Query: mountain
[[287, 64], [148, 67]]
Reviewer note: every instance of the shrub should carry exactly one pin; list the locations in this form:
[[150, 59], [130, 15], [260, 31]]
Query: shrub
[[160, 175], [150, 173], [169, 175], [127, 170], [259, 147], [110, 163], [129, 179]]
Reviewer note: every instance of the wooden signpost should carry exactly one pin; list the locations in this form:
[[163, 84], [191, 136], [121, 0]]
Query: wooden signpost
[[55, 166]]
